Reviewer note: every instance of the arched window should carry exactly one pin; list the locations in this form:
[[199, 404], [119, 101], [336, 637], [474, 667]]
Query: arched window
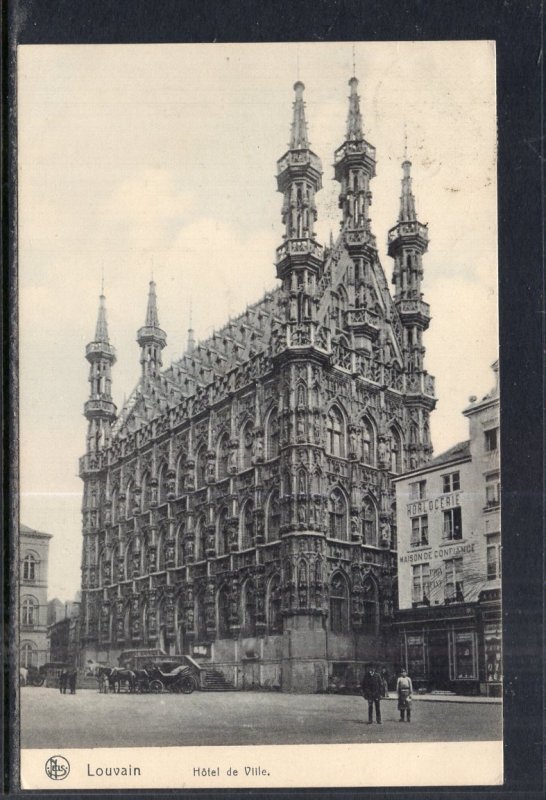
[[337, 515], [274, 619], [29, 655], [200, 467], [223, 532], [272, 434], [336, 433], [370, 595], [222, 458], [30, 568], [396, 451], [29, 611], [247, 525], [368, 443], [339, 604], [273, 517], [369, 522], [246, 442], [223, 612], [249, 609]]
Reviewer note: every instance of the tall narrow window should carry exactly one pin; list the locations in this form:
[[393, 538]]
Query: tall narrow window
[[29, 568], [396, 451], [454, 589], [492, 490], [274, 619], [337, 513], [370, 595], [420, 592], [419, 531], [453, 527], [223, 612], [336, 433], [200, 467], [491, 440], [451, 482], [417, 490], [339, 604], [249, 609], [29, 611], [200, 617], [493, 557]]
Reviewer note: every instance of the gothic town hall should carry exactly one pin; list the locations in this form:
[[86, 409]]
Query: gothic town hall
[[239, 508]]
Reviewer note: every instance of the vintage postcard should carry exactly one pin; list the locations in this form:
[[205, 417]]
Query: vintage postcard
[[259, 539]]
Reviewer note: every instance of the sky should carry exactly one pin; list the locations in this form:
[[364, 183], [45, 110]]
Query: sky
[[160, 159]]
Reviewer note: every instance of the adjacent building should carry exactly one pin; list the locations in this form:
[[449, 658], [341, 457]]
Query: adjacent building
[[240, 507], [33, 609], [449, 561]]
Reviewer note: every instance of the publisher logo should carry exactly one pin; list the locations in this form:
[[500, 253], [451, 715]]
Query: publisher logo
[[57, 768]]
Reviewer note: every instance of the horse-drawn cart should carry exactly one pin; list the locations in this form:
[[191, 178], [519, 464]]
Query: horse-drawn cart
[[155, 680]]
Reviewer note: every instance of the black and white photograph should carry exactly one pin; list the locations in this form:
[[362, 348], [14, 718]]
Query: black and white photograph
[[259, 415]]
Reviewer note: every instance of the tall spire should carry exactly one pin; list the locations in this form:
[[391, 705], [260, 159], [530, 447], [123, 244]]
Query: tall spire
[[152, 319], [151, 338], [407, 200], [298, 138], [354, 120], [101, 331]]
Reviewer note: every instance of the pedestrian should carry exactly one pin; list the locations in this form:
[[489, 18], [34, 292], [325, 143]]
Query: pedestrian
[[72, 680], [385, 682], [105, 683], [63, 676], [372, 688], [404, 690]]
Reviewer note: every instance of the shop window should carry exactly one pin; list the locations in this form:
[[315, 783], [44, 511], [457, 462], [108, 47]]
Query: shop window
[[463, 660], [492, 490], [491, 440], [453, 528], [454, 590], [417, 490], [30, 568], [420, 586], [419, 531], [414, 656], [493, 653], [451, 482], [493, 557]]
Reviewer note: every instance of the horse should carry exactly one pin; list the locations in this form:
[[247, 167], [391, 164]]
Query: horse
[[116, 676], [23, 676]]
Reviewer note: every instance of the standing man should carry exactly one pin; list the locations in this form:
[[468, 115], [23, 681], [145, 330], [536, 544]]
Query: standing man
[[62, 681], [72, 680], [372, 687], [404, 690]]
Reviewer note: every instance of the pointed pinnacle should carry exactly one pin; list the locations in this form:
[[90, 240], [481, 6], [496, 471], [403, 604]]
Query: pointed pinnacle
[[407, 200], [298, 138], [354, 120], [101, 331], [152, 319]]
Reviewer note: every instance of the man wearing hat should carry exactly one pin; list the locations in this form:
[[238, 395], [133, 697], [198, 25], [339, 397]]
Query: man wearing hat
[[372, 686]]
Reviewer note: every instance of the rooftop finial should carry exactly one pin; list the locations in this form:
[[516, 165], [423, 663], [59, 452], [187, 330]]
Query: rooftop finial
[[354, 120], [354, 61], [152, 319], [405, 141], [102, 279], [298, 139], [101, 331], [407, 200]]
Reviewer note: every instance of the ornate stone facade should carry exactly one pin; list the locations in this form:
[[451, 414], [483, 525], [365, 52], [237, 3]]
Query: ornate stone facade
[[240, 507]]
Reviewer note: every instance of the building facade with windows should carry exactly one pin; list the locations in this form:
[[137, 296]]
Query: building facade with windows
[[33, 564], [240, 507], [449, 561]]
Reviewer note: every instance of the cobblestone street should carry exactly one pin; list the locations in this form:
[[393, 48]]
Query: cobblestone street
[[90, 719]]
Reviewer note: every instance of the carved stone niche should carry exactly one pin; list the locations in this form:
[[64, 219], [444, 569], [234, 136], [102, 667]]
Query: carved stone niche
[[189, 482], [259, 526], [171, 484], [210, 543], [211, 467]]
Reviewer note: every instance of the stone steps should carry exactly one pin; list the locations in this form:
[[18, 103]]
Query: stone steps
[[216, 681]]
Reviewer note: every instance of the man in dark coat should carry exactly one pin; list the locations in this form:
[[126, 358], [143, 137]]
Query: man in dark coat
[[63, 677], [372, 687], [72, 676]]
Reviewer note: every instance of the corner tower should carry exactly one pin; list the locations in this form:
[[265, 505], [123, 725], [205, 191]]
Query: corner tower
[[151, 338], [100, 410]]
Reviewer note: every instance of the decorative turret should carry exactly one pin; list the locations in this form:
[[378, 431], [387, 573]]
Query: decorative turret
[[407, 242], [151, 338], [354, 165], [299, 177], [100, 410]]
